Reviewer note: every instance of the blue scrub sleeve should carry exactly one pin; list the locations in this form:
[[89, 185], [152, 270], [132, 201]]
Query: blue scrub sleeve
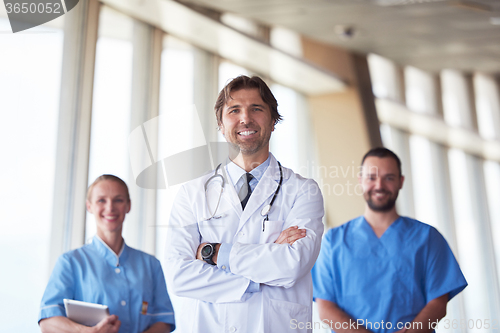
[[322, 272], [60, 286], [443, 273], [162, 310]]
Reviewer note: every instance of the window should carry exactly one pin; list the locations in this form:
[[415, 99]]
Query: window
[[30, 75], [111, 102]]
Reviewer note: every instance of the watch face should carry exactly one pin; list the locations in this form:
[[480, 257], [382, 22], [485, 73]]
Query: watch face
[[206, 250]]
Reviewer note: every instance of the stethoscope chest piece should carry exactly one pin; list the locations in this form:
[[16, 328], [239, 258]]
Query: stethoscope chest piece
[[265, 210]]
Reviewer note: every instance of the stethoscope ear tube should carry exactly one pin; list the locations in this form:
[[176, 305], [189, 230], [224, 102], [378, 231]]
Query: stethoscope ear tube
[[267, 208]]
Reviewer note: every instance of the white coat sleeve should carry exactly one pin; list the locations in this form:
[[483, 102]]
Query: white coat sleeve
[[187, 276], [282, 264]]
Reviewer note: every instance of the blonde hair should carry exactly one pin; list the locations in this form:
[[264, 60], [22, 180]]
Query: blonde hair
[[103, 178]]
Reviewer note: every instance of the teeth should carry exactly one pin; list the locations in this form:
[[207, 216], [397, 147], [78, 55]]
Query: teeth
[[247, 132]]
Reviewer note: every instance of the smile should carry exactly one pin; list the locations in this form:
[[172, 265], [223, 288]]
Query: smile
[[246, 133]]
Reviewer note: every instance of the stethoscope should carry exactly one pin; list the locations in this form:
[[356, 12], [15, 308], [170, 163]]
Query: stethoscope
[[265, 210]]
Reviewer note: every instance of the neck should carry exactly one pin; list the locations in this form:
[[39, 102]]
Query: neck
[[112, 239], [380, 221], [250, 162]]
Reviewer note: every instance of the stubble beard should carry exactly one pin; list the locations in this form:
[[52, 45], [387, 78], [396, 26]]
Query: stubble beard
[[385, 207]]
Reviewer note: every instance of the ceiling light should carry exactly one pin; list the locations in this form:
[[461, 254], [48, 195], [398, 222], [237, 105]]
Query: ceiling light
[[403, 2], [495, 20]]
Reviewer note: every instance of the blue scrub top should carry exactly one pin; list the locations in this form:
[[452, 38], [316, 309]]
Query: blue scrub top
[[389, 279], [94, 273]]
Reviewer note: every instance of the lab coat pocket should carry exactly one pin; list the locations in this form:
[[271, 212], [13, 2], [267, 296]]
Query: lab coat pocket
[[285, 316], [214, 229], [270, 231]]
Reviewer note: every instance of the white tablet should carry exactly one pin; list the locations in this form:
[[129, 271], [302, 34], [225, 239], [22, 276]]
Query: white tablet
[[88, 314]]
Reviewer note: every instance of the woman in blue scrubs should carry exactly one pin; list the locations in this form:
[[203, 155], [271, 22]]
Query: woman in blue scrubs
[[107, 271]]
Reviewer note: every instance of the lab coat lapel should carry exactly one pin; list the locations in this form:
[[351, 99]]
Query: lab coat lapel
[[262, 192]]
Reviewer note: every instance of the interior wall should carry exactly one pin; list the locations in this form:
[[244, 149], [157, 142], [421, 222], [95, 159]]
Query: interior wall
[[346, 127]]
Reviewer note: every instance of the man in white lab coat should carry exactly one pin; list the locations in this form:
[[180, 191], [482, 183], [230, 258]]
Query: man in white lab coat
[[245, 266]]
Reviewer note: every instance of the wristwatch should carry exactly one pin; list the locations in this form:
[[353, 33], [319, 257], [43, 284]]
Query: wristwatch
[[208, 252]]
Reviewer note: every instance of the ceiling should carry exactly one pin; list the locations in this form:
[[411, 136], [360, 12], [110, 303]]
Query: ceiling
[[428, 34]]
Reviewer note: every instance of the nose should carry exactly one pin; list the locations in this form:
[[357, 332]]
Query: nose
[[245, 117], [109, 206], [378, 183]]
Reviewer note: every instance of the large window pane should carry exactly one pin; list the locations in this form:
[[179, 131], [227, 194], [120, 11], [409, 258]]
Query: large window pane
[[111, 102], [176, 94], [385, 78], [470, 239], [487, 106], [30, 73], [420, 91], [492, 175]]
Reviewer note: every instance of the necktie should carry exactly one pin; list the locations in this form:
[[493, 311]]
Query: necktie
[[245, 191]]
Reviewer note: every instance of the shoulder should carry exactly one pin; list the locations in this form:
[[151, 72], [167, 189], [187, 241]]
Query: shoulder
[[337, 235], [77, 254], [143, 256], [419, 227], [299, 183], [424, 234]]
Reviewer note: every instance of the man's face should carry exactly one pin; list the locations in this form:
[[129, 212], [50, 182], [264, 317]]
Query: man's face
[[247, 122], [381, 182]]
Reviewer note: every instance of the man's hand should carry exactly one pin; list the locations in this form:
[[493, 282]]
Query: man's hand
[[110, 324], [290, 235], [214, 258]]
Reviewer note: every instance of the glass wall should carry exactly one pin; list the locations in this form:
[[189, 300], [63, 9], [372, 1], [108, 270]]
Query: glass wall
[[30, 75], [111, 101], [453, 190]]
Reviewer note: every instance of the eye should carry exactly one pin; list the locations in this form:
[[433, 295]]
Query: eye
[[101, 200], [119, 200]]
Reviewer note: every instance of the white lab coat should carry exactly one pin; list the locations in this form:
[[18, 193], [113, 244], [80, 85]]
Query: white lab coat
[[218, 302]]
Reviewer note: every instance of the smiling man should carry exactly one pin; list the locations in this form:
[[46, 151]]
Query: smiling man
[[244, 238], [382, 272]]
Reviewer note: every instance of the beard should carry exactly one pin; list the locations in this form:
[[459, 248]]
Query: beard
[[248, 147], [384, 206]]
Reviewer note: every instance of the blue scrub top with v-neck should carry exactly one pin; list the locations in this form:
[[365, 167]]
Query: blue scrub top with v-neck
[[387, 279]]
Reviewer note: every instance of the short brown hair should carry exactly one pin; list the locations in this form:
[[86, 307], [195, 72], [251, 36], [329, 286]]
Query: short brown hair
[[245, 82], [103, 178], [382, 152]]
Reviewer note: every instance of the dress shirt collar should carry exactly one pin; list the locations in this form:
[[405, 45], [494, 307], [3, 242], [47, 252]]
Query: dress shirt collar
[[235, 172]]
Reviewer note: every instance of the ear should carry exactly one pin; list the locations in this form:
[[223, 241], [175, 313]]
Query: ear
[[87, 204], [402, 178], [129, 206], [221, 128]]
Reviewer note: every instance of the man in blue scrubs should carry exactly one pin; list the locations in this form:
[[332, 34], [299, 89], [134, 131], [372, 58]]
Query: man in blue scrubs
[[382, 272]]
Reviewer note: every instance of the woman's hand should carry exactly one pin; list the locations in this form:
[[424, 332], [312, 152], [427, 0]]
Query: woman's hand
[[110, 324]]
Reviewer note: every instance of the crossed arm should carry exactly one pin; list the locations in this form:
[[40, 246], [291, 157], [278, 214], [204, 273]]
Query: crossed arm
[[434, 310], [287, 236], [189, 277]]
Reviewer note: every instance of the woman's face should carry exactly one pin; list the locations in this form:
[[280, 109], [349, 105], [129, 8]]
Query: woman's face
[[109, 204]]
